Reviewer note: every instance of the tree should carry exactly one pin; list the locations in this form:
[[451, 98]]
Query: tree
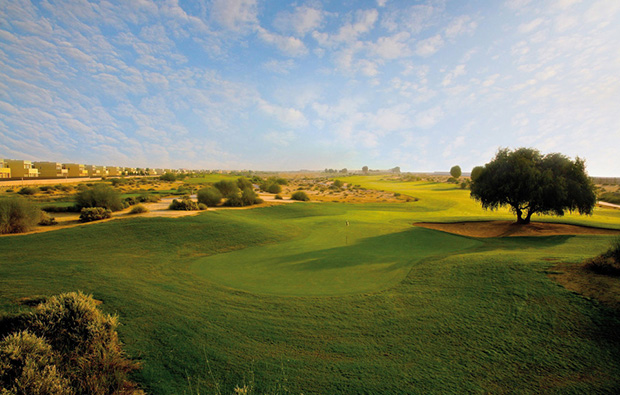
[[455, 171], [395, 170], [531, 183], [475, 172], [365, 169]]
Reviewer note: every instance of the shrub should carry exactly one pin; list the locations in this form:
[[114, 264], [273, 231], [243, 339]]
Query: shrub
[[46, 219], [184, 204], [28, 191], [274, 188], [278, 197], [149, 198], [28, 366], [227, 188], [61, 209], [234, 201], [608, 262], [210, 196], [168, 177], [243, 183], [301, 196], [18, 215], [90, 353], [89, 214], [249, 197], [202, 206], [9, 191], [100, 195], [138, 209]]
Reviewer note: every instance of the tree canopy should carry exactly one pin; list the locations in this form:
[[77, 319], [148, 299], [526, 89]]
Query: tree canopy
[[455, 171], [530, 182]]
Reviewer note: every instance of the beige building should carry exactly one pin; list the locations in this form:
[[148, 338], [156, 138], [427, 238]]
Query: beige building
[[103, 170], [21, 168], [93, 171], [76, 170], [114, 170], [50, 169], [5, 171]]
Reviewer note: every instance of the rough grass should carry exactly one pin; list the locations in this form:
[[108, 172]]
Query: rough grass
[[446, 314]]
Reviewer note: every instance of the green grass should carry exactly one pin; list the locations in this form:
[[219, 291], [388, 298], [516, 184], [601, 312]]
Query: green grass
[[209, 179], [290, 294]]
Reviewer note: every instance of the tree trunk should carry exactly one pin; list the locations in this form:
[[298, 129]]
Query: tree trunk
[[520, 219]]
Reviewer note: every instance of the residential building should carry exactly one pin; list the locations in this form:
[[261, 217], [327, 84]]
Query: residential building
[[50, 169], [5, 171], [103, 170], [21, 168], [129, 171], [75, 170], [93, 171], [113, 170]]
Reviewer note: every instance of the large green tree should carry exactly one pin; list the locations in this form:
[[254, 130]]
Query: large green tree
[[530, 182]]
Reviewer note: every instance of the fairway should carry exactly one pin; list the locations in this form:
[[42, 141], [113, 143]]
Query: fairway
[[291, 296]]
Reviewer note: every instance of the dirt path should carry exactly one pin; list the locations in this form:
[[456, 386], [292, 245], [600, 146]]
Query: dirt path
[[508, 228], [605, 204]]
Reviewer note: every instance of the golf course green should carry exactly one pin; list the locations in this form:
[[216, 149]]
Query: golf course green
[[325, 298]]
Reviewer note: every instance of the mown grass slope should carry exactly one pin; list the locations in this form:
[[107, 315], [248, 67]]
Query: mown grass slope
[[284, 295]]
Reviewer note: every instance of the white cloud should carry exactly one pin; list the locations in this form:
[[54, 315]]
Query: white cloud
[[301, 21], [530, 26], [279, 66], [459, 26], [349, 32], [292, 46], [429, 118], [392, 47], [413, 19], [458, 71], [236, 15], [429, 46], [290, 117]]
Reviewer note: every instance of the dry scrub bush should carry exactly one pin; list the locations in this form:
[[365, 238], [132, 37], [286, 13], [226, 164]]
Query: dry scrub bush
[[18, 215], [28, 366], [138, 209], [67, 346], [608, 262], [89, 214], [92, 359]]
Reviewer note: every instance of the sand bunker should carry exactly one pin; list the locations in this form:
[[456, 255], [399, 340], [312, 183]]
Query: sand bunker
[[508, 228]]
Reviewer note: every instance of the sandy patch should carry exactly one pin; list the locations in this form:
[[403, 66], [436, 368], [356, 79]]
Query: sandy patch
[[576, 278], [508, 228]]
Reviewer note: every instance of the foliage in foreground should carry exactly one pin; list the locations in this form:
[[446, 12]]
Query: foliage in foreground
[[530, 182], [210, 196], [18, 215], [66, 346], [608, 262]]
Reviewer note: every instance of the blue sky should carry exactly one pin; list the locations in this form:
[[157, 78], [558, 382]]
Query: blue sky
[[276, 85]]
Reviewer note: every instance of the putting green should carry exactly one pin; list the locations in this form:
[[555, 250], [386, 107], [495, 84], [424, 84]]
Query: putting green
[[351, 252]]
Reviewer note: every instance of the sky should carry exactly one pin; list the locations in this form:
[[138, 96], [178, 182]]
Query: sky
[[288, 85]]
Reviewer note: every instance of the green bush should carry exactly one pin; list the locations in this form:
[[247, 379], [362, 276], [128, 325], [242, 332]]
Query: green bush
[[210, 196], [184, 204], [168, 177], [100, 195], [138, 209], [278, 197], [149, 198], [301, 196], [249, 197], [61, 209], [46, 219], [243, 183], [89, 214], [273, 188], [28, 191], [227, 188], [18, 215], [234, 201]]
